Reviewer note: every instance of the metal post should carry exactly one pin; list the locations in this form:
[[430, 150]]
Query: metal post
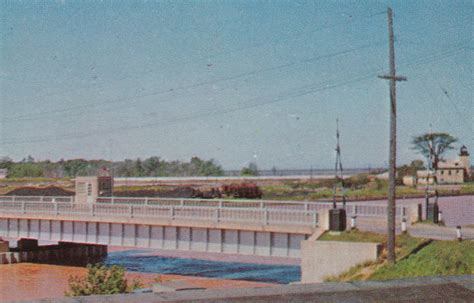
[[404, 226], [458, 233], [440, 216], [353, 222]]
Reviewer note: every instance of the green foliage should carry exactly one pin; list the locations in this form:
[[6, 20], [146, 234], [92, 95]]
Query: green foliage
[[409, 170], [250, 170], [101, 280], [152, 167], [434, 145]]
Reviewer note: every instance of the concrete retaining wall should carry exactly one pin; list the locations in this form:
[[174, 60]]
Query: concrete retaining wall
[[321, 259]]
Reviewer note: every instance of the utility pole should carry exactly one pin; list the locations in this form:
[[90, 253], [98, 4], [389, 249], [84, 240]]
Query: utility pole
[[393, 78]]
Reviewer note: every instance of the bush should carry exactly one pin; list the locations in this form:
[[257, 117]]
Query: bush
[[101, 280]]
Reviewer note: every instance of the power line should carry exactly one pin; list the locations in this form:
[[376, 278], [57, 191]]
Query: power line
[[21, 118], [257, 45], [306, 90]]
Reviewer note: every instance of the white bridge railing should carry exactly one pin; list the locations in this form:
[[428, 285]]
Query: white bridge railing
[[359, 209], [57, 199], [260, 216], [352, 208]]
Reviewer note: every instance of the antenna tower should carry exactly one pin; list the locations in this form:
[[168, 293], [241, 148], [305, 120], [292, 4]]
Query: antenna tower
[[339, 190]]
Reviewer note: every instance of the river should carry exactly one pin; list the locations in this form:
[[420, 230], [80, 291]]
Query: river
[[26, 281]]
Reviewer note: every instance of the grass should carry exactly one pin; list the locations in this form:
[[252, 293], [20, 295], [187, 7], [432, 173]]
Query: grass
[[415, 257], [138, 188], [438, 258], [404, 244], [33, 180], [311, 192]]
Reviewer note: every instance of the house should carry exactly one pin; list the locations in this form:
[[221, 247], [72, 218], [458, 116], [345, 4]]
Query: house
[[3, 173], [448, 171]]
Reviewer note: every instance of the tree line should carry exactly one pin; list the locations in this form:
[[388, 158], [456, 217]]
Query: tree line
[[149, 167]]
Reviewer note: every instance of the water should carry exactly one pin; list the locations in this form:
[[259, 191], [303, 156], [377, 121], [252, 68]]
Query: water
[[141, 261]]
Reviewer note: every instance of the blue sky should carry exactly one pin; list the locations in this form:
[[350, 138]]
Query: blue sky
[[235, 81]]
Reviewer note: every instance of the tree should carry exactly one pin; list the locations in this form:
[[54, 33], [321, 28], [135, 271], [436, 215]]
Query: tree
[[251, 170], [409, 170], [433, 145], [100, 280]]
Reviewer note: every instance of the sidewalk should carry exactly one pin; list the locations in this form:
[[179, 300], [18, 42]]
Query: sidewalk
[[439, 232], [423, 289]]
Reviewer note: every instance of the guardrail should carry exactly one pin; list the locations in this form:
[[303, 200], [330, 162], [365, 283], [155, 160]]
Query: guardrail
[[261, 216]]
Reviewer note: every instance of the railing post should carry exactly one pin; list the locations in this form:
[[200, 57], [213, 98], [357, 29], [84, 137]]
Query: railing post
[[306, 206], [315, 219], [172, 212], [146, 201], [14, 198], [262, 205], [56, 211], [220, 203], [112, 200], [181, 202], [265, 216], [217, 215], [23, 208], [41, 199], [92, 210], [130, 211]]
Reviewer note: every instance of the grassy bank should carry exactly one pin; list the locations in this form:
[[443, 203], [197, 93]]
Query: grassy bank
[[415, 257], [437, 258]]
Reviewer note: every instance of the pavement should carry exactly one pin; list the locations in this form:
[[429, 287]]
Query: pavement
[[423, 289], [439, 232]]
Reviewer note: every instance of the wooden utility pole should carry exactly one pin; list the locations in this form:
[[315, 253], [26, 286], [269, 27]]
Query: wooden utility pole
[[393, 78]]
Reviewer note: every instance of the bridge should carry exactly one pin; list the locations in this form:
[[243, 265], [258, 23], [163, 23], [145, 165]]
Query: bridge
[[249, 227]]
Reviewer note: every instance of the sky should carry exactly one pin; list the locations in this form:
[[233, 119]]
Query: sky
[[233, 81]]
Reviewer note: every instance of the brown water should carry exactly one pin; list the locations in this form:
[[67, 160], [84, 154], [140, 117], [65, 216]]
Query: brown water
[[27, 281]]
